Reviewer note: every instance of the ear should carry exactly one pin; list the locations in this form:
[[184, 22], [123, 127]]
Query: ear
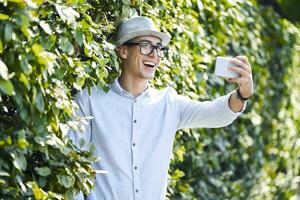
[[122, 52]]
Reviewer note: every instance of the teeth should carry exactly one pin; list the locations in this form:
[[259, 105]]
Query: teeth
[[149, 63]]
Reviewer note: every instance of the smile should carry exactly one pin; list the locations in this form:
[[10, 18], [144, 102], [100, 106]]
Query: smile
[[149, 64]]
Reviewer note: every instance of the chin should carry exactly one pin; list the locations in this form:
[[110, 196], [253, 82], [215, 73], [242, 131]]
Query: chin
[[148, 77]]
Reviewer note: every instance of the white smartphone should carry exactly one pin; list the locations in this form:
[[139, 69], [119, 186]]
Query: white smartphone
[[221, 68]]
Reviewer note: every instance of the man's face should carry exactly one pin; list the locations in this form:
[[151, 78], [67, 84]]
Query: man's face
[[141, 66]]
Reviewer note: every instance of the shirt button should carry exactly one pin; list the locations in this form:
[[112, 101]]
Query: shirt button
[[135, 167], [135, 101], [133, 144], [136, 191], [134, 121]]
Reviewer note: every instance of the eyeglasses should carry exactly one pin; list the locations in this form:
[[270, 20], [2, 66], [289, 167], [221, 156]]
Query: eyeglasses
[[146, 48]]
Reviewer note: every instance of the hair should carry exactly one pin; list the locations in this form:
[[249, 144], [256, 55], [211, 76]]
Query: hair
[[117, 49]]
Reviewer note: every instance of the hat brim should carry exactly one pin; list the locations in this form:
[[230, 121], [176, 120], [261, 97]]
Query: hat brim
[[165, 37]]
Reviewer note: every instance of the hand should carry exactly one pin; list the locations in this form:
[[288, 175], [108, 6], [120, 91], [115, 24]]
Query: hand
[[245, 81]]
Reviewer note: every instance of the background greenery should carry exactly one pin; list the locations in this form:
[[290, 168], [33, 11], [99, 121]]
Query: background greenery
[[50, 49]]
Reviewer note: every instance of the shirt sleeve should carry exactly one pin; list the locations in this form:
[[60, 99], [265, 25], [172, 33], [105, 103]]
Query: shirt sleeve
[[82, 99], [79, 196], [207, 114]]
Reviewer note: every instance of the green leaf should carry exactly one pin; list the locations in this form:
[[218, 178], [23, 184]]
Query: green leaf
[[42, 181], [19, 161], [3, 16], [8, 32], [50, 41], [39, 102], [43, 171], [85, 24], [6, 87], [8, 140], [101, 73], [25, 24], [78, 36], [65, 180], [3, 70], [38, 2], [24, 80], [103, 61], [22, 143], [37, 49], [65, 45], [39, 194], [1, 46], [25, 66]]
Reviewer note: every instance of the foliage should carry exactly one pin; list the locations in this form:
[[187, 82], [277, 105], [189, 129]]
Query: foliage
[[290, 9], [49, 49]]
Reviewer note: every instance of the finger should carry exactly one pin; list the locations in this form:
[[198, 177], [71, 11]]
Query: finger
[[239, 70], [244, 59], [241, 64], [238, 80], [232, 80]]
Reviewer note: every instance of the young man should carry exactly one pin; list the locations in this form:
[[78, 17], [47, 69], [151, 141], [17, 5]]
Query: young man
[[134, 125]]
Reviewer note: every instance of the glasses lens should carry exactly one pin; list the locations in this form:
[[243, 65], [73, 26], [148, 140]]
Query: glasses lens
[[146, 48], [160, 52]]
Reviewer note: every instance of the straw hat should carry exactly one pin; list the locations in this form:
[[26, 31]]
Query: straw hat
[[139, 26]]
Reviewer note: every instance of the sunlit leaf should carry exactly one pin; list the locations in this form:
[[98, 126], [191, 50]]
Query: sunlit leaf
[[19, 161], [46, 27], [6, 87], [3, 16], [3, 70], [24, 80], [22, 143], [39, 194]]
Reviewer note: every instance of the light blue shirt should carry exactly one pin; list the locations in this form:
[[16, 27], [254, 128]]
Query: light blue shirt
[[134, 136]]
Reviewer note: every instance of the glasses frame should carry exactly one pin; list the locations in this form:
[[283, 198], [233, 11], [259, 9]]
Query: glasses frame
[[156, 47]]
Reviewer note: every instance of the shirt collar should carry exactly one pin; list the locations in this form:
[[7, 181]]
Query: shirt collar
[[117, 88]]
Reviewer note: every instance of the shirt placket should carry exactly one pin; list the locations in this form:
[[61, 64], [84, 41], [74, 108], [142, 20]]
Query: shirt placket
[[135, 146]]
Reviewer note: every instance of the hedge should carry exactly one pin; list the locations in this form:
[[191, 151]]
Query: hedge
[[49, 50]]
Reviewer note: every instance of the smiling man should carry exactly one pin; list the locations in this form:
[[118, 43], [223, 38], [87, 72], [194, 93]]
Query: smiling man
[[134, 124]]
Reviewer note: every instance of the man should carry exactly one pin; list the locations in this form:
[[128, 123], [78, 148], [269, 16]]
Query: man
[[134, 125]]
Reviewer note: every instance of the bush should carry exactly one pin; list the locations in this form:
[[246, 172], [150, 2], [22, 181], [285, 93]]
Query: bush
[[49, 50]]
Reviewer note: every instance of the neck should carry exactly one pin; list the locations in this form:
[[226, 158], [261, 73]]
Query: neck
[[133, 85]]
